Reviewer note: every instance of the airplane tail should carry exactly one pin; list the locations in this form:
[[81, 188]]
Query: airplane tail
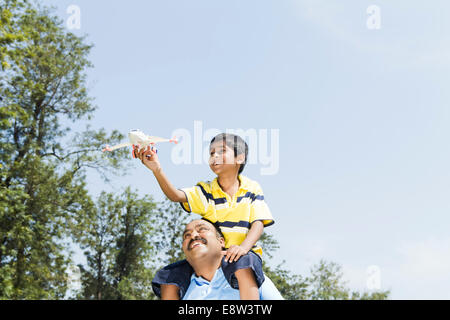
[[174, 140]]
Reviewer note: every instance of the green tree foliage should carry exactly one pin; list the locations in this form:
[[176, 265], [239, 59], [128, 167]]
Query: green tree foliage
[[170, 222], [9, 33], [115, 240], [42, 184], [326, 283]]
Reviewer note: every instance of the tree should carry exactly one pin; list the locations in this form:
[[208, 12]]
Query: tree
[[43, 192], [9, 34], [326, 283], [115, 237], [133, 273], [170, 221]]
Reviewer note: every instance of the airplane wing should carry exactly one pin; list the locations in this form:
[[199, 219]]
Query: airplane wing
[[154, 139], [117, 146], [139, 139]]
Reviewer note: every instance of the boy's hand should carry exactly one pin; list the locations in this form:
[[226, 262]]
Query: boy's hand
[[234, 253], [148, 157]]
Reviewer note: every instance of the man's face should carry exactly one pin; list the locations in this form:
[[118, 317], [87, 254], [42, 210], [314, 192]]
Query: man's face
[[222, 158], [200, 239]]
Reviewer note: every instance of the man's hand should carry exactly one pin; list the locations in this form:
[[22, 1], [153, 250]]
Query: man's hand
[[148, 157], [234, 253]]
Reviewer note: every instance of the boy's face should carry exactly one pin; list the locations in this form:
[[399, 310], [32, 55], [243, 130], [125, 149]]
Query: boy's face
[[222, 159]]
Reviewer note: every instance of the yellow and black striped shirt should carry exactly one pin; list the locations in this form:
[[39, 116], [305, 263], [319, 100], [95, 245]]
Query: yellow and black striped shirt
[[233, 215]]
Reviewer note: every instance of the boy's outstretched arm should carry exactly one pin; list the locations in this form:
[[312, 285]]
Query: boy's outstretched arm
[[248, 289], [149, 158], [235, 252]]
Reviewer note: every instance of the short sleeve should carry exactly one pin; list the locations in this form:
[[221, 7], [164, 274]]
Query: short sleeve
[[250, 260], [259, 210], [197, 200], [178, 273]]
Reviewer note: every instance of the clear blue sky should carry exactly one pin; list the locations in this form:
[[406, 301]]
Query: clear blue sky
[[363, 117]]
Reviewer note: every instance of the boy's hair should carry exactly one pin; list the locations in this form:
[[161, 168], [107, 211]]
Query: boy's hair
[[234, 142]]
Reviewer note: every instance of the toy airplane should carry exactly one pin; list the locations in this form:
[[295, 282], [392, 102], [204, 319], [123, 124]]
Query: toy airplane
[[140, 139]]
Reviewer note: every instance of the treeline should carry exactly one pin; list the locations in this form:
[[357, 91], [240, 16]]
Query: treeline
[[44, 197]]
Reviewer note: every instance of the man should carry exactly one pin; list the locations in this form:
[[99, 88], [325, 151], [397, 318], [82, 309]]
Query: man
[[213, 277]]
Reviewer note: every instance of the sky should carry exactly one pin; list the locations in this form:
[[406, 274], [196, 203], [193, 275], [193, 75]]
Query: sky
[[348, 109]]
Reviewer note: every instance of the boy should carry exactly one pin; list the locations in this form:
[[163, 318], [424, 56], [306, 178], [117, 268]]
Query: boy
[[231, 201]]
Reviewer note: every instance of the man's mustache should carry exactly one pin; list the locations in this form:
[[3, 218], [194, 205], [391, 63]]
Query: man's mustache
[[196, 239]]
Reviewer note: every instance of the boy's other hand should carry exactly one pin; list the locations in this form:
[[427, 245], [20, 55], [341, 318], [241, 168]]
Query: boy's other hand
[[234, 253], [148, 157]]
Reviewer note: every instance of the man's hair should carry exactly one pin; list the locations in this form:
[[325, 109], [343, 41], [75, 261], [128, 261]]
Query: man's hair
[[234, 142], [216, 226]]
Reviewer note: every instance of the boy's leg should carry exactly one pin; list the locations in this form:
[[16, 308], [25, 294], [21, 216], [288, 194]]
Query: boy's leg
[[170, 292], [174, 279]]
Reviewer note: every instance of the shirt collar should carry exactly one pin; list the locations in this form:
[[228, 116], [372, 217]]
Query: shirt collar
[[244, 185], [200, 281]]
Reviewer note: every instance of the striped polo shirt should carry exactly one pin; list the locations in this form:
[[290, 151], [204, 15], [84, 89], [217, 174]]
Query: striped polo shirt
[[233, 215]]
